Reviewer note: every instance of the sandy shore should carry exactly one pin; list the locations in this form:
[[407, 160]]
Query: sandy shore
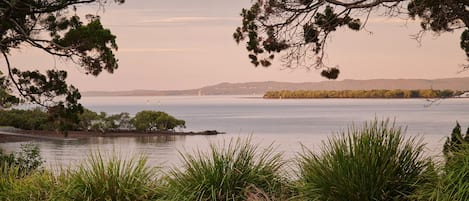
[[25, 135]]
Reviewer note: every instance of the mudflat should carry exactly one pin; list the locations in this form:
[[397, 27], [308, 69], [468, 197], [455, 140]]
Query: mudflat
[[26, 135]]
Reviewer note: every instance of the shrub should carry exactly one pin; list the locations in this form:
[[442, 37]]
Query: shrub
[[454, 184], [115, 179], [34, 119], [39, 185], [156, 120], [456, 139], [369, 163], [21, 177], [27, 160], [236, 172], [450, 182]]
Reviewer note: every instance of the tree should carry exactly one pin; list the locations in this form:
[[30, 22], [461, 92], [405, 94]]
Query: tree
[[455, 142], [300, 28], [148, 120], [54, 27], [86, 119]]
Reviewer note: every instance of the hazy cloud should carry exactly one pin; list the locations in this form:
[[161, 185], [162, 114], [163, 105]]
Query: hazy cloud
[[179, 20], [387, 20], [150, 50]]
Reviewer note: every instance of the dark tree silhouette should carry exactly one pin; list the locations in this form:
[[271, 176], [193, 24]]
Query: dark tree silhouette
[[54, 27], [300, 28]]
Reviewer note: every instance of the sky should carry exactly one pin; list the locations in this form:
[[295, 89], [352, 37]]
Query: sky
[[186, 44]]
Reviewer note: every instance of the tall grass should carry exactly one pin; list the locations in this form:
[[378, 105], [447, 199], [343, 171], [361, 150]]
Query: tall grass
[[373, 162], [451, 181], [37, 185], [22, 163], [115, 179], [236, 171]]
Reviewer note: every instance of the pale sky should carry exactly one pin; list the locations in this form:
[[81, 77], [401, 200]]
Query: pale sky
[[185, 44]]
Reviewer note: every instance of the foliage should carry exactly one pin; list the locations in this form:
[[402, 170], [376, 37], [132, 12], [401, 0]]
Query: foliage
[[6, 99], [39, 185], [454, 143], [455, 181], [86, 119], [300, 28], [22, 163], [115, 179], [451, 181], [231, 172], [104, 123], [376, 93], [35, 119], [156, 120], [369, 163], [55, 28]]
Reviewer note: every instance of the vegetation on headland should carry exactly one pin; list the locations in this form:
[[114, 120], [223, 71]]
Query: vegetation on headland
[[144, 121], [377, 93], [373, 162]]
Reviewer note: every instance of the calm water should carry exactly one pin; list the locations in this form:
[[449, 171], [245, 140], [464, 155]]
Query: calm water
[[286, 123]]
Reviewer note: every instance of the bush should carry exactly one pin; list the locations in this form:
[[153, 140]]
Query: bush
[[34, 119], [27, 160], [453, 143], [450, 182], [39, 185], [20, 178], [116, 179], [369, 163], [454, 184], [156, 120], [237, 172]]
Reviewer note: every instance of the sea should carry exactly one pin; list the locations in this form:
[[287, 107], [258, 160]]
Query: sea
[[290, 126]]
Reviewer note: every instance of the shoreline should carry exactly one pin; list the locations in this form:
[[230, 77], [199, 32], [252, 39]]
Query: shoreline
[[27, 135]]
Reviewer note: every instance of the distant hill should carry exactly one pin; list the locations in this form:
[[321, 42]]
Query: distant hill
[[259, 88]]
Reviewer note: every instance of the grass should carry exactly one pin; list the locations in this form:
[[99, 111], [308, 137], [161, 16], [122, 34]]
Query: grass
[[236, 171], [449, 182], [373, 162], [38, 185], [115, 179]]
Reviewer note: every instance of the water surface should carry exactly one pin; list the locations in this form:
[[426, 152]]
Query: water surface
[[286, 123]]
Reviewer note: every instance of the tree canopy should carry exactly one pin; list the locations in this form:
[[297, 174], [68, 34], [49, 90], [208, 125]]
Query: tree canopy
[[149, 120], [55, 27], [300, 28]]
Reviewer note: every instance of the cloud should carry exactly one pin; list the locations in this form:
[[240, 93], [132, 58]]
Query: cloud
[[388, 20], [179, 20], [155, 50]]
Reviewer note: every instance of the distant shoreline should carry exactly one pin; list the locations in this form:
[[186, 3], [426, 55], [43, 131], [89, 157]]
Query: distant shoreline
[[260, 88], [366, 94]]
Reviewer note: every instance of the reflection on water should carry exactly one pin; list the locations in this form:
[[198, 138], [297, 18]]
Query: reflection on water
[[286, 123], [159, 149], [162, 151]]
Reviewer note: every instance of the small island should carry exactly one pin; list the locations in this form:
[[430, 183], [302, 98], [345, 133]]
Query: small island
[[18, 124], [376, 93]]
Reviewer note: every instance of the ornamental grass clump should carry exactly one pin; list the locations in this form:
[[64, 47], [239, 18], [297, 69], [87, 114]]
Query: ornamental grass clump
[[236, 171], [37, 185], [449, 182], [113, 179], [373, 162]]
